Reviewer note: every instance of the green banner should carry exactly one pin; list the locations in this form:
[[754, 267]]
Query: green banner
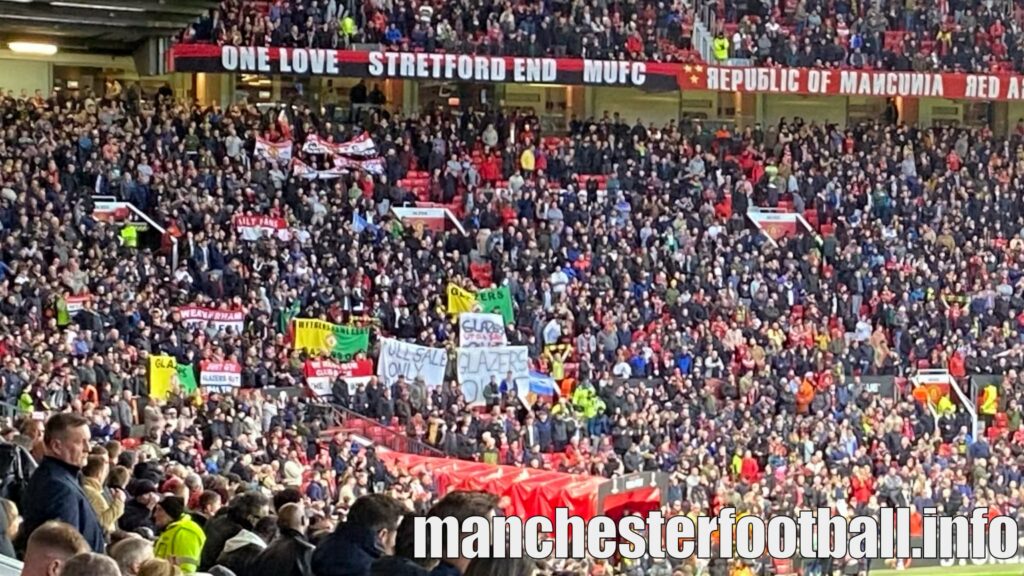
[[348, 341], [187, 378], [497, 301]]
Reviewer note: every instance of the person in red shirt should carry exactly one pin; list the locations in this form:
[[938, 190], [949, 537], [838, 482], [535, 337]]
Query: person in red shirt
[[750, 471]]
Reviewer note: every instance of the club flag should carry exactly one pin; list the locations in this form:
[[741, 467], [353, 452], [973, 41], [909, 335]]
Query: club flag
[[319, 337], [358, 223], [162, 371], [460, 300], [187, 378], [497, 301]]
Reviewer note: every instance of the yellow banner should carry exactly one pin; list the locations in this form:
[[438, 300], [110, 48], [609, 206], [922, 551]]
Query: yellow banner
[[313, 335], [162, 372], [460, 300]]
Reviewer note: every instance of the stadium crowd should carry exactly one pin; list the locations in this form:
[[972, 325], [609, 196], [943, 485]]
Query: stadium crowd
[[962, 35], [683, 339]]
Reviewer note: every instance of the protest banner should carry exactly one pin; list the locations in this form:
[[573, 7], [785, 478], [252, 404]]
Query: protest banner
[[321, 375], [197, 317], [220, 376], [163, 371], [186, 375], [460, 300], [399, 358], [498, 301], [476, 367], [477, 329], [319, 337]]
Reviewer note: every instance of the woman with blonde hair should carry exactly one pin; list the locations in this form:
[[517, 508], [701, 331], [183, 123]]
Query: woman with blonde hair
[[159, 567]]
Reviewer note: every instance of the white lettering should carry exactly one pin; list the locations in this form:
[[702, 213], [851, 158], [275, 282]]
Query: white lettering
[[263, 59], [376, 67], [229, 58]]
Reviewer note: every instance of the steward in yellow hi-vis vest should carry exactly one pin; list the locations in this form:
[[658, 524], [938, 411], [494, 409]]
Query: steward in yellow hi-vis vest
[[989, 404], [130, 236]]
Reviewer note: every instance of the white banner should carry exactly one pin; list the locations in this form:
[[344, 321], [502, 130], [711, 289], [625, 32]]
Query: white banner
[[477, 329], [476, 367], [361, 146], [220, 375], [196, 317], [399, 358]]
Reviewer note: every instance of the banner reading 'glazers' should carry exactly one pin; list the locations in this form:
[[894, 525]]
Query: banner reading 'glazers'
[[652, 76]]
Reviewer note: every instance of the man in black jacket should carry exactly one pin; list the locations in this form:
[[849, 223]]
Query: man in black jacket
[[290, 554], [53, 492], [242, 513], [368, 534]]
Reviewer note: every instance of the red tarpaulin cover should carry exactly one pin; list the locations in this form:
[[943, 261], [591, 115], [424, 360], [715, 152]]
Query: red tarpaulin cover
[[523, 491]]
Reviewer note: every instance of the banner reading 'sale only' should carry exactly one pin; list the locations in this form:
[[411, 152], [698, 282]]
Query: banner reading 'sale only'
[[653, 76]]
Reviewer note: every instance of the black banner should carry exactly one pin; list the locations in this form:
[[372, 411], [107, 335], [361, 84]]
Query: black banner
[[653, 76]]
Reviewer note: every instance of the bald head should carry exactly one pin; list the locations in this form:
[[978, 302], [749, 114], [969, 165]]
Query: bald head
[[292, 516]]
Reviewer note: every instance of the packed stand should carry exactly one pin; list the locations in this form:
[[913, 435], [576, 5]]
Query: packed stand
[[697, 346], [955, 36], [653, 31]]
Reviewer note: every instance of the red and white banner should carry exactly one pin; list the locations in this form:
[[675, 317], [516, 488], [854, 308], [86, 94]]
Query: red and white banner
[[75, 304], [196, 317], [361, 146], [342, 166], [253, 228], [372, 166], [111, 211], [280, 152], [429, 217], [321, 374], [220, 375]]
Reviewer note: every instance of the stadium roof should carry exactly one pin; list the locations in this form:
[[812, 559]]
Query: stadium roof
[[97, 26]]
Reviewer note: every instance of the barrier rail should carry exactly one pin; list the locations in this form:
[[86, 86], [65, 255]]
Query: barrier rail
[[383, 434], [145, 218]]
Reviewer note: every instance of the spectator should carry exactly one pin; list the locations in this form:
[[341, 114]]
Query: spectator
[[404, 561], [242, 513], [209, 504], [49, 547], [290, 554], [90, 564], [501, 567], [94, 476], [138, 512], [460, 505], [10, 523], [159, 567], [130, 554], [53, 492], [181, 541], [242, 549], [368, 534]]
